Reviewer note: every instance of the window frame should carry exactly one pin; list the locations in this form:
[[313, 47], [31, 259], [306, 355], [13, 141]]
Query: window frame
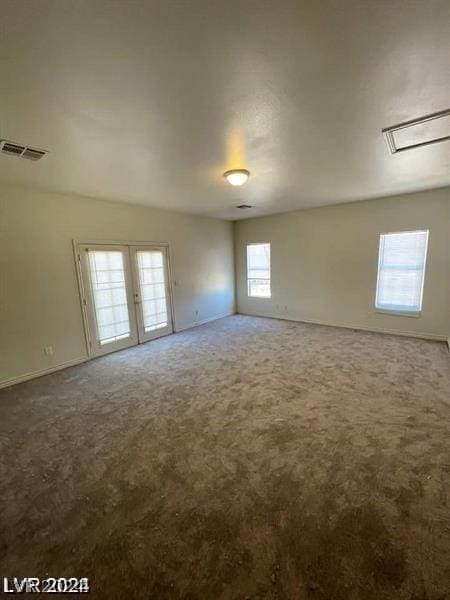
[[270, 270], [390, 311]]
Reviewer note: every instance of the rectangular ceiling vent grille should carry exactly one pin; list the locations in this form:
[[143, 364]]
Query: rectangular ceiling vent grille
[[10, 148], [33, 154], [416, 133], [14, 149]]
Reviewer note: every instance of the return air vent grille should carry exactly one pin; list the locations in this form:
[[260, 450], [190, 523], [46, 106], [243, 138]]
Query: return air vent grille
[[14, 149], [420, 132], [33, 154], [10, 148]]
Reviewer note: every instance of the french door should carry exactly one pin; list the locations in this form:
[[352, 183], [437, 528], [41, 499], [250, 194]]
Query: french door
[[151, 292], [126, 295]]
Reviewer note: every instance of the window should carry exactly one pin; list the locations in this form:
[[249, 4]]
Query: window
[[401, 270], [258, 270]]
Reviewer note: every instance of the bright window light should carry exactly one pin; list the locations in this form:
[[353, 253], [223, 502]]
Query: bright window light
[[110, 295], [401, 271], [258, 270]]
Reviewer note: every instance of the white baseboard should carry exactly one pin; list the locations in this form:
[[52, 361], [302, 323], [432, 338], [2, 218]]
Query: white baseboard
[[71, 363], [203, 321], [41, 372], [422, 335]]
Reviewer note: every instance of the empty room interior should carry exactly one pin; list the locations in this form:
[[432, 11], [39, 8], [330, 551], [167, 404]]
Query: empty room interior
[[225, 299]]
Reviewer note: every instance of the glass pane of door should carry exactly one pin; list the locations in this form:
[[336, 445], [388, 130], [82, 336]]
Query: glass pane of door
[[109, 295], [153, 293]]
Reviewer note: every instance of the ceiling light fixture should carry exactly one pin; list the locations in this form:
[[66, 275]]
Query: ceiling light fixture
[[237, 176]]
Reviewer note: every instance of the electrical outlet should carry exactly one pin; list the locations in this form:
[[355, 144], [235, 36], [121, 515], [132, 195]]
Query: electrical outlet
[[48, 350]]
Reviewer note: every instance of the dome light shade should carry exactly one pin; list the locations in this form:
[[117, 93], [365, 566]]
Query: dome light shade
[[237, 176]]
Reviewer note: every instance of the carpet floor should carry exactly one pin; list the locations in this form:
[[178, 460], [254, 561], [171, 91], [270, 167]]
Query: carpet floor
[[248, 458]]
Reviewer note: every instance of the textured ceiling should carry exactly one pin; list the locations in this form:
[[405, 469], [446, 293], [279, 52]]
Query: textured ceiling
[[149, 102]]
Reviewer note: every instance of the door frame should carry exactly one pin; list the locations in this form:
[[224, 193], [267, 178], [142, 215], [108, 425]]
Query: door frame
[[168, 329], [78, 243], [133, 339]]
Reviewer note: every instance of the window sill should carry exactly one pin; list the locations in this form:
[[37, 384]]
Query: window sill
[[260, 297], [398, 313]]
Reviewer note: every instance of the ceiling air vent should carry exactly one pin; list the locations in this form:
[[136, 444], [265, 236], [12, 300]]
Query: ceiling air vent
[[10, 148], [416, 133], [14, 149], [33, 154], [243, 206]]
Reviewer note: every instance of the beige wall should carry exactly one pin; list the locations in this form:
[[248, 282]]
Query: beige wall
[[39, 302], [324, 265], [324, 262]]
